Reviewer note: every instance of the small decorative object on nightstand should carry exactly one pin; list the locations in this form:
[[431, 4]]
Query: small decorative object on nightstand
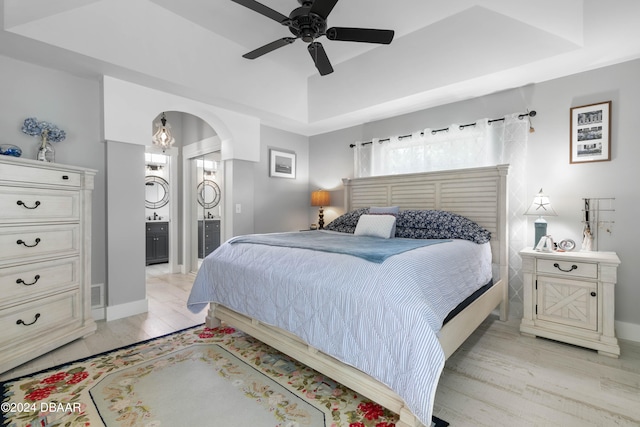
[[541, 206], [320, 198], [569, 297]]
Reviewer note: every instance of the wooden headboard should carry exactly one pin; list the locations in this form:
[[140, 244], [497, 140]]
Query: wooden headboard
[[479, 194]]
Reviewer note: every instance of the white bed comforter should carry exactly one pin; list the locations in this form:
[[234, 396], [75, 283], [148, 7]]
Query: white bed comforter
[[380, 318]]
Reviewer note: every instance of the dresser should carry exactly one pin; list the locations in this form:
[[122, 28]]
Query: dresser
[[45, 257], [569, 297]]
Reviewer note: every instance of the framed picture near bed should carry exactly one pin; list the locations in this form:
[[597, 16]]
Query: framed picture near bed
[[282, 164], [590, 133]]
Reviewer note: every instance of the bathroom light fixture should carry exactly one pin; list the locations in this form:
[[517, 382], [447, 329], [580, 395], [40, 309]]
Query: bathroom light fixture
[[163, 137]]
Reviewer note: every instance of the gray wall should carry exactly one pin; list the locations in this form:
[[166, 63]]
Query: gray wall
[[331, 159], [281, 204], [547, 157], [74, 105], [125, 223]]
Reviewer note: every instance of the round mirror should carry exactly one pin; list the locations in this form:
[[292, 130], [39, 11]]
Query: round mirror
[[208, 194], [156, 193]]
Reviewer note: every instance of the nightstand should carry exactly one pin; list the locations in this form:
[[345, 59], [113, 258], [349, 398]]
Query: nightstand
[[569, 297]]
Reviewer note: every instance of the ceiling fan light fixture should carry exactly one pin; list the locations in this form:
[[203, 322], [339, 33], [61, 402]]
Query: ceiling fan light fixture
[[163, 137]]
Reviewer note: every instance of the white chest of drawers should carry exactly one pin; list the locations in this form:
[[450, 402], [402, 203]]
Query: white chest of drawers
[[45, 257], [569, 297]]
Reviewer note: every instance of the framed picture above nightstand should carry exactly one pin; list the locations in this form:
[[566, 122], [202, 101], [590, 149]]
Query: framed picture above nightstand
[[569, 297]]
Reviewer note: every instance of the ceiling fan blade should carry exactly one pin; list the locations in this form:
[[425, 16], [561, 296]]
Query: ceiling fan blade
[[364, 35], [323, 7], [263, 10], [320, 58], [269, 47]]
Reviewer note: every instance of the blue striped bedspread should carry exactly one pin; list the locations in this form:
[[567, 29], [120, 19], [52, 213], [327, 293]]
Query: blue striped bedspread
[[382, 318]]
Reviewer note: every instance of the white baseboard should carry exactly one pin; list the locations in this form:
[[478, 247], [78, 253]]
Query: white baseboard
[[628, 331], [132, 308], [98, 313]]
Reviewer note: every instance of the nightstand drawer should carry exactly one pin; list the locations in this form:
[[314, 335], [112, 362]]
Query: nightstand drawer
[[25, 321], [28, 281], [21, 205], [568, 268]]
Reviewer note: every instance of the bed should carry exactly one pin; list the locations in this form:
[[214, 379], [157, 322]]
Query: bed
[[329, 335]]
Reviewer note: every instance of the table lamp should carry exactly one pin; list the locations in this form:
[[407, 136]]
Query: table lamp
[[320, 198], [540, 207]]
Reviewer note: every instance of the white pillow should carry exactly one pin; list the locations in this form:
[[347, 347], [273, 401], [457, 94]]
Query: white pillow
[[376, 225]]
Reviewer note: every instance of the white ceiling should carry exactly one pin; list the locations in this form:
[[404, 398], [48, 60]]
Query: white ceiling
[[443, 51]]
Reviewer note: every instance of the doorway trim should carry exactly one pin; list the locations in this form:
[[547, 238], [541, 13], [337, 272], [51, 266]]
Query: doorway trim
[[190, 226]]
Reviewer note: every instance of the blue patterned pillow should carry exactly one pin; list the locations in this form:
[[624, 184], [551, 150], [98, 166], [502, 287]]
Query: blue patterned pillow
[[434, 224], [347, 223]]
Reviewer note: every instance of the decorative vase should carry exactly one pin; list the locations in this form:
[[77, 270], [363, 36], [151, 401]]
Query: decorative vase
[[46, 153]]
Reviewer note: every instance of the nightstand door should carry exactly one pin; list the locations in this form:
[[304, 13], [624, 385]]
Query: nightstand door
[[568, 302]]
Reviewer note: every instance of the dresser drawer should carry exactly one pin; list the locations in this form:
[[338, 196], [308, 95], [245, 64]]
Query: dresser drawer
[[30, 281], [38, 242], [22, 322], [26, 174], [36, 204], [568, 268]]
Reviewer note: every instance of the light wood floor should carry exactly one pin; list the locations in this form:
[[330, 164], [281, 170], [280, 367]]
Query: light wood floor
[[167, 295], [497, 378]]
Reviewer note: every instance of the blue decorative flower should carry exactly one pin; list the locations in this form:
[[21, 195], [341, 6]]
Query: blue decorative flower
[[51, 132]]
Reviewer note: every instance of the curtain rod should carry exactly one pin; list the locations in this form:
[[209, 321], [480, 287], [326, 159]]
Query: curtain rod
[[433, 132]]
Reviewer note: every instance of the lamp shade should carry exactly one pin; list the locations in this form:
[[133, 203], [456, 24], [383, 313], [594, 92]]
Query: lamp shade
[[320, 198], [541, 206]]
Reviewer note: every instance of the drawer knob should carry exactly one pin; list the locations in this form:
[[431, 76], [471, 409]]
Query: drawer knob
[[22, 322], [65, 177], [22, 242], [573, 267], [593, 294], [24, 205], [35, 280]]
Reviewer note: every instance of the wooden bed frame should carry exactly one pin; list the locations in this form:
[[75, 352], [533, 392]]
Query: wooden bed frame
[[479, 194]]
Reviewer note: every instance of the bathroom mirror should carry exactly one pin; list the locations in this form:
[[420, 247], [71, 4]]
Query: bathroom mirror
[[208, 194], [156, 193]]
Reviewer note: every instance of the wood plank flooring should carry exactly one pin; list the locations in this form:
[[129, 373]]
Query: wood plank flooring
[[167, 295], [497, 377]]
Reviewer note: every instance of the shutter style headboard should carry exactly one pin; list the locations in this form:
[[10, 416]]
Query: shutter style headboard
[[479, 194]]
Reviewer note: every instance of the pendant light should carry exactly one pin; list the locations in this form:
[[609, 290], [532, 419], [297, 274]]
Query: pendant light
[[163, 137]]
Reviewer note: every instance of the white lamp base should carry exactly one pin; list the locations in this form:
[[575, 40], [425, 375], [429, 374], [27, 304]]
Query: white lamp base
[[541, 230]]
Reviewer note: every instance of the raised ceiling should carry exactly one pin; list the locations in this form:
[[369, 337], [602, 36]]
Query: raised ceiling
[[443, 51]]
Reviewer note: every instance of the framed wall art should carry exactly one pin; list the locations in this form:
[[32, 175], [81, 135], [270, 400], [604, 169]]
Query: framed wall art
[[590, 133], [282, 164]]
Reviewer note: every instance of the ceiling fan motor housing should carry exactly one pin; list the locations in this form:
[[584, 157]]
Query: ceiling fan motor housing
[[306, 25]]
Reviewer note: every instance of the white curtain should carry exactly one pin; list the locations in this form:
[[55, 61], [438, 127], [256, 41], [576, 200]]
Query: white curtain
[[486, 143]]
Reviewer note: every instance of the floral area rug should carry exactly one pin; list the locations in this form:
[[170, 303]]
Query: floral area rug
[[199, 376]]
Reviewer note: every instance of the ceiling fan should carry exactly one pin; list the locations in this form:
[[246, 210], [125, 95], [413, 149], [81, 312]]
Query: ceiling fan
[[309, 22]]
